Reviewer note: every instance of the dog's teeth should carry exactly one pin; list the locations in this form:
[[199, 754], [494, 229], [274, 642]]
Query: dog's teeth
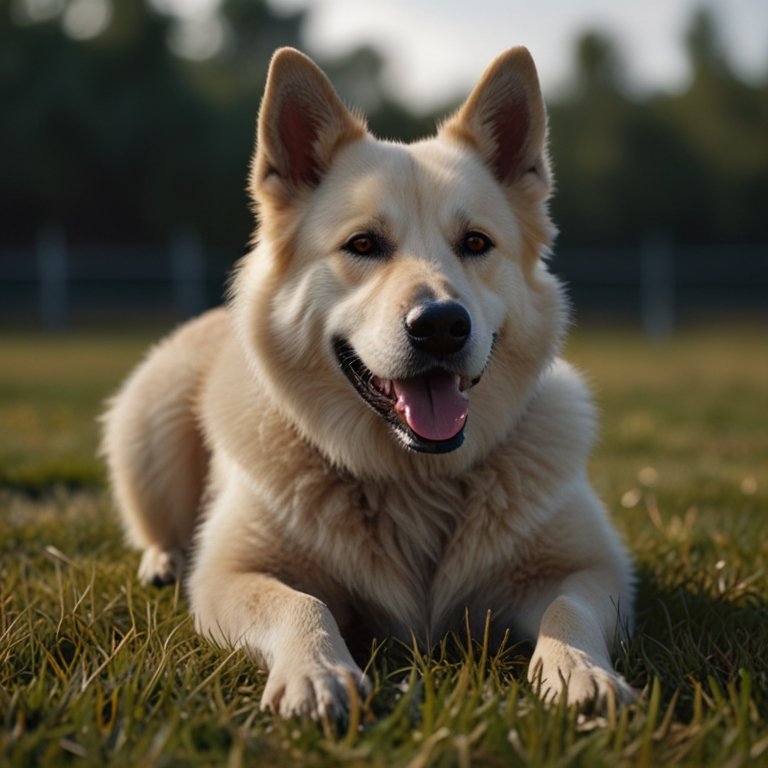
[[383, 385]]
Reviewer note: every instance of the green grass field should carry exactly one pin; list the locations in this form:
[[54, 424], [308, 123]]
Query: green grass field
[[96, 669]]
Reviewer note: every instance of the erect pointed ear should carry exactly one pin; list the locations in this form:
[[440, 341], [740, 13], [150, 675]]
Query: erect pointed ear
[[504, 118], [302, 123]]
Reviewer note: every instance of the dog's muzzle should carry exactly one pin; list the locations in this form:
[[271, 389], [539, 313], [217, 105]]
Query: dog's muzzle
[[438, 328], [428, 411]]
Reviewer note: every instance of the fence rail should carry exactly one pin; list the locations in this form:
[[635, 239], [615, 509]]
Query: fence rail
[[54, 284]]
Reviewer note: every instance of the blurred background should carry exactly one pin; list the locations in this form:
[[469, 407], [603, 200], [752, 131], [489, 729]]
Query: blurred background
[[127, 128]]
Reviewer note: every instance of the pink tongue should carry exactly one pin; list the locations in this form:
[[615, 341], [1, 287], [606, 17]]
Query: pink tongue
[[432, 405]]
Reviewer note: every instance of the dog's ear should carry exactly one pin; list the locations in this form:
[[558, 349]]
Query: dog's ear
[[302, 123], [504, 118]]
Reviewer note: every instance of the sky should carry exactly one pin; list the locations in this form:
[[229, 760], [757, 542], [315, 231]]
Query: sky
[[436, 49]]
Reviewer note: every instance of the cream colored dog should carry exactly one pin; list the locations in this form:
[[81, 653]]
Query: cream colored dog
[[375, 437]]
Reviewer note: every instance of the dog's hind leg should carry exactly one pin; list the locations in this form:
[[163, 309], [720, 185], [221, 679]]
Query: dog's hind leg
[[154, 448]]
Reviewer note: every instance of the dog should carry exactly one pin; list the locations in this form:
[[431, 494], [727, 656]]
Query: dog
[[375, 437]]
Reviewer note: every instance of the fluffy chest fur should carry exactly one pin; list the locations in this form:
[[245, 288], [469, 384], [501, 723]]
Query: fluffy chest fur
[[413, 552]]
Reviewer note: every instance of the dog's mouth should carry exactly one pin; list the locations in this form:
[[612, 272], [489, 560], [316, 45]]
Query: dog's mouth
[[428, 412]]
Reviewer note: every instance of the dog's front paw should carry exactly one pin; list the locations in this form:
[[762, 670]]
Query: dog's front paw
[[317, 689], [560, 670]]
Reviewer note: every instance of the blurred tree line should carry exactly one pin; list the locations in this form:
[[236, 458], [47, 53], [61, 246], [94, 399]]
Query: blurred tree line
[[117, 139]]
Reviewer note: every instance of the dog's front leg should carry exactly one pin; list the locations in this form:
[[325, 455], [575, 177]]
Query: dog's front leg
[[576, 631], [311, 671]]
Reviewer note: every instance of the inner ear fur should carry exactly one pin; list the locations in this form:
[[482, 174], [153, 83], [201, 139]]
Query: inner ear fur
[[504, 118], [302, 123]]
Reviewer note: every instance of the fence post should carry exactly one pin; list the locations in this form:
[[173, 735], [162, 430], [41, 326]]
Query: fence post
[[657, 287], [188, 272], [53, 277]]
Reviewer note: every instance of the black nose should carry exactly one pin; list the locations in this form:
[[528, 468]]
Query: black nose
[[439, 327]]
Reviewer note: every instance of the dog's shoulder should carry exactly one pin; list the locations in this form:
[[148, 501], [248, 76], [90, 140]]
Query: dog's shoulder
[[559, 427], [564, 392]]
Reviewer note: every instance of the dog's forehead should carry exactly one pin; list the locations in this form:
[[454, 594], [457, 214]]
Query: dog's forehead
[[434, 178], [429, 189]]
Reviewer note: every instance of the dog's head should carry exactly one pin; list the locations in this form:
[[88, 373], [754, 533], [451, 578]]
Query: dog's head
[[399, 290]]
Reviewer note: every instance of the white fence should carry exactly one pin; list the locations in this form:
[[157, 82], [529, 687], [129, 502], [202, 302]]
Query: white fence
[[54, 284], [52, 281]]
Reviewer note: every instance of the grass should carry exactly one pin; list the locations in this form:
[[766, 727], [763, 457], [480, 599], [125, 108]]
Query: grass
[[96, 669]]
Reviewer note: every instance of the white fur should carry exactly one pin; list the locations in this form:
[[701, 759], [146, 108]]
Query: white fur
[[311, 521]]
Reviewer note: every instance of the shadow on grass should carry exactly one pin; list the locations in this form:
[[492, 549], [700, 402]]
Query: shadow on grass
[[685, 636], [49, 478]]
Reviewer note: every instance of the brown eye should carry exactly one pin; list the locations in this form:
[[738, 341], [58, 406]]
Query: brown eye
[[366, 244], [362, 245], [476, 244]]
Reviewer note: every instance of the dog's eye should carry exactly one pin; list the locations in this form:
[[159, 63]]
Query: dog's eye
[[365, 244], [475, 244]]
